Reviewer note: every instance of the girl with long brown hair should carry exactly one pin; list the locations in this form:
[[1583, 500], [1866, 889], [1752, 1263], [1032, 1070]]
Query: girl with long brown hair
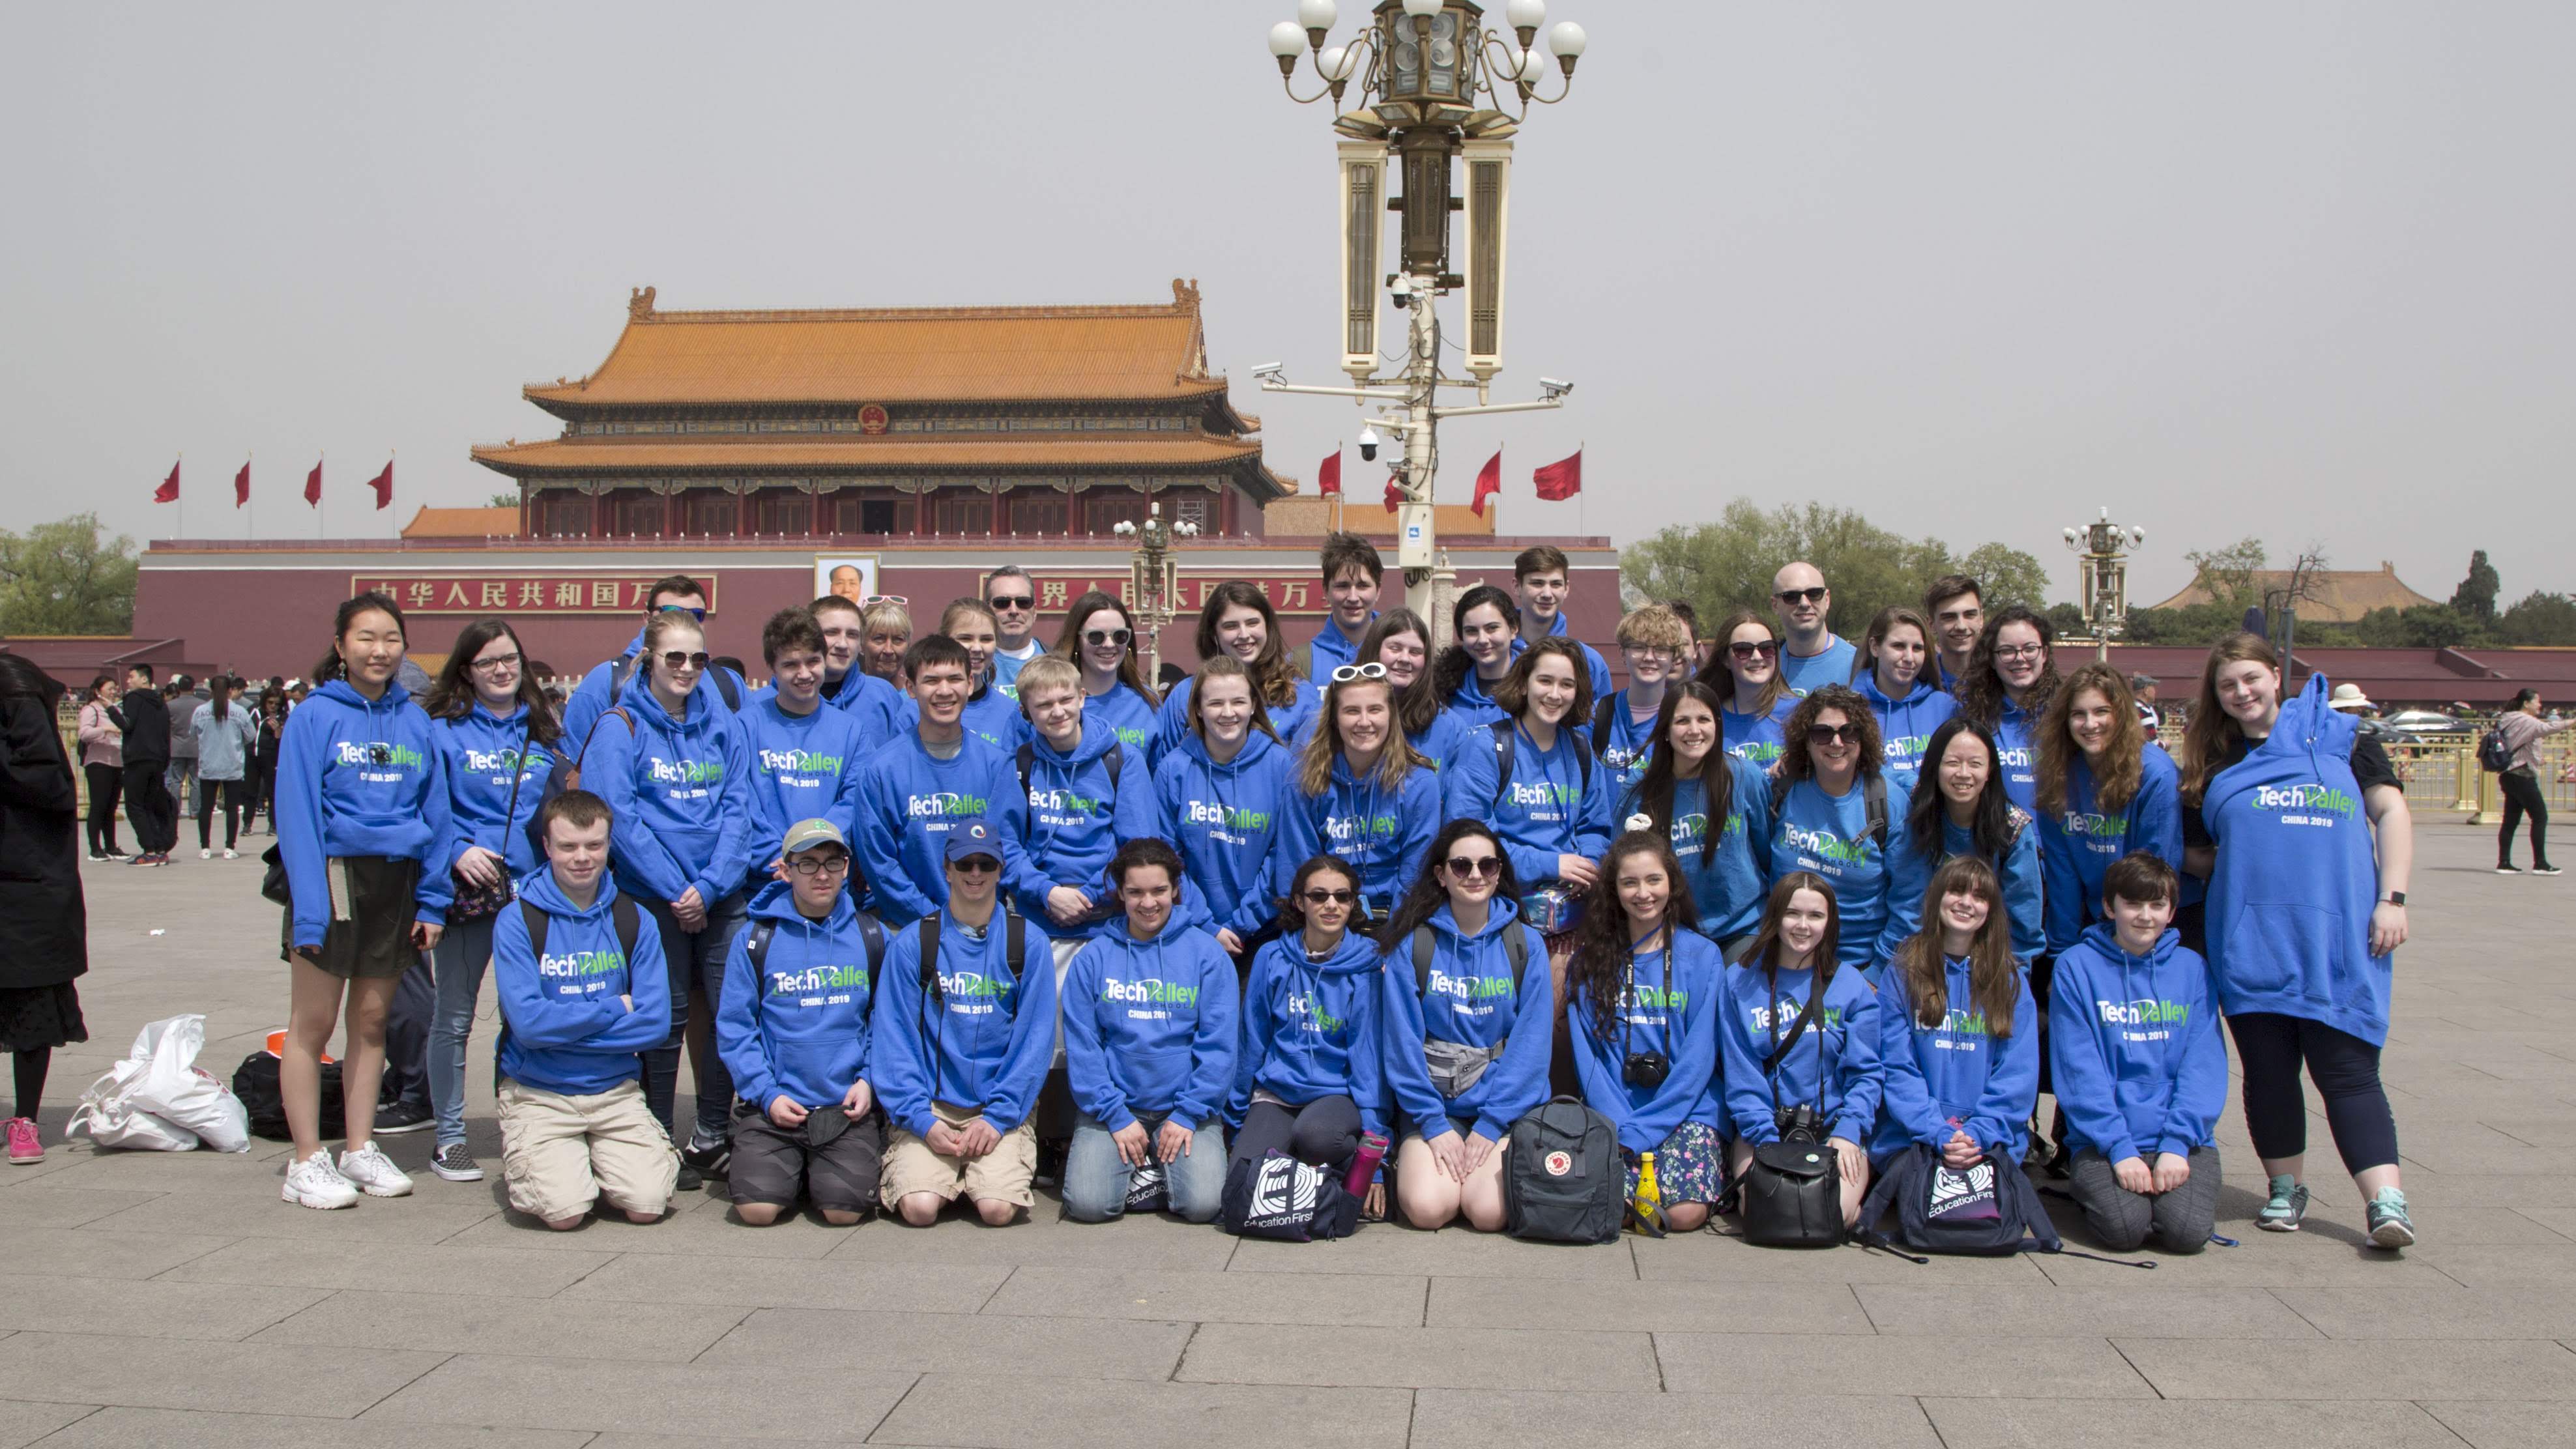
[[1361, 793], [1831, 812], [1894, 674], [2105, 788], [1959, 1035], [1238, 623], [1830, 1093], [1716, 812], [1745, 672], [2010, 679], [1099, 636], [1534, 778]]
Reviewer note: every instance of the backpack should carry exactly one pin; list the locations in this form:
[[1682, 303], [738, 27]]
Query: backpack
[[871, 933], [1506, 733], [1792, 1189], [1987, 1210], [1563, 1181], [1282, 1198], [1601, 718], [255, 1083], [622, 914], [1015, 953], [2495, 756], [1028, 757], [1873, 796]]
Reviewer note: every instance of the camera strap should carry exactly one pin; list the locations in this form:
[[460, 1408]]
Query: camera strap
[[1797, 1029]]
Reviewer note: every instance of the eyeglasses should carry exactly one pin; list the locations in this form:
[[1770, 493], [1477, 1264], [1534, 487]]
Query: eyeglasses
[[1349, 672], [1815, 595], [698, 614], [1318, 896], [677, 660], [1825, 734], [885, 599], [1022, 601], [1106, 636], [977, 864], [2020, 651], [1762, 650], [1647, 653], [819, 865], [1489, 866], [496, 663]]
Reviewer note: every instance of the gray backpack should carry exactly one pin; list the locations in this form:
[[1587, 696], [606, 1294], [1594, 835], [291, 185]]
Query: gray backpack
[[1563, 1181]]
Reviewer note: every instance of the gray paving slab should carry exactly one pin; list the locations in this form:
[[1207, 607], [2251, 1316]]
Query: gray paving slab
[[246, 1378], [768, 1283], [960, 1409], [2490, 1424], [47, 1206], [2531, 1312], [696, 1230], [1241, 1353], [389, 1267], [265, 1215], [1321, 1299], [1481, 1419], [1926, 1310], [925, 1342], [22, 1424], [492, 1324], [2485, 1265], [1451, 1253], [2000, 1366], [2535, 1369], [1706, 1257], [2127, 1424], [130, 1428], [92, 1253], [1656, 1306], [761, 1401], [1041, 1240], [149, 1308]]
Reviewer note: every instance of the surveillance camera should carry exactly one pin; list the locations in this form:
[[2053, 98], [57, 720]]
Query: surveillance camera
[[1368, 444], [1270, 369], [1556, 387]]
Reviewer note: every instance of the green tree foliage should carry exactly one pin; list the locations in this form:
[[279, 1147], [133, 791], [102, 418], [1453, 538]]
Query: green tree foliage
[[503, 500], [2476, 595], [2538, 619], [1728, 564], [2228, 573], [66, 577]]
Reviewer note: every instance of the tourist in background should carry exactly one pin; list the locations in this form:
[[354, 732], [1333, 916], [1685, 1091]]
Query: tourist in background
[[1744, 671], [145, 718], [270, 714], [44, 927], [187, 699], [2009, 682], [2523, 730], [1811, 654], [227, 738], [102, 764], [1715, 810]]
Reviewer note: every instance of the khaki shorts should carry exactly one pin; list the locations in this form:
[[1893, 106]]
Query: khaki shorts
[[1001, 1175], [560, 1155]]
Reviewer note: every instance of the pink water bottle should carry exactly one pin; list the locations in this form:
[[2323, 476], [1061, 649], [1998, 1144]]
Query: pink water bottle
[[1364, 1166]]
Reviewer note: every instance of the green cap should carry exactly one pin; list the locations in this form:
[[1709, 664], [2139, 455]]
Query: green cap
[[804, 835]]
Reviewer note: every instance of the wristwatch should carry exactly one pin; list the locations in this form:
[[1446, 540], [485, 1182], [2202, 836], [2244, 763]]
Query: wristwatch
[[2395, 898]]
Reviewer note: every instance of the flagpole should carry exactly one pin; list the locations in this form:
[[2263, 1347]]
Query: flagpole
[[180, 495], [251, 498], [321, 498]]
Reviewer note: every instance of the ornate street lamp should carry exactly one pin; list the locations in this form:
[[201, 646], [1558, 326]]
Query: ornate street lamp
[[2104, 562], [1438, 86], [1153, 581]]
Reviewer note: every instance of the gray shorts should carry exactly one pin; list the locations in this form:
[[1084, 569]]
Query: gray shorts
[[2180, 1221], [771, 1164]]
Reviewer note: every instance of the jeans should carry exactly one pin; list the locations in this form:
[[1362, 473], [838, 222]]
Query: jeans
[[1096, 1181], [229, 793], [695, 962], [2522, 798], [457, 964], [2270, 1047]]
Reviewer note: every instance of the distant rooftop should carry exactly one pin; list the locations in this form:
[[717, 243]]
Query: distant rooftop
[[2334, 596]]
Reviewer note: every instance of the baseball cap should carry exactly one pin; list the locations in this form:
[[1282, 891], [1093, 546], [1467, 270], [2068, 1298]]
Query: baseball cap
[[970, 839], [804, 835]]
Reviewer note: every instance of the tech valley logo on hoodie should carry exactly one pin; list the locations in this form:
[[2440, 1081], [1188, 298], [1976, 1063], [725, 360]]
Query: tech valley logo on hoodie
[[504, 763], [1822, 850], [377, 762], [1152, 999], [1311, 1016], [972, 993], [1227, 824], [685, 779], [800, 769], [1347, 831], [944, 805], [581, 973], [2155, 1020], [1688, 829], [2309, 804], [1786, 1011], [819, 985]]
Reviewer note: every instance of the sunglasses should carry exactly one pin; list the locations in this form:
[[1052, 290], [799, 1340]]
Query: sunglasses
[[1349, 672], [1763, 650], [1489, 866], [1022, 601], [698, 614], [1815, 595], [1106, 636], [885, 599], [977, 864], [823, 865], [678, 660], [497, 662], [1825, 734], [1321, 897]]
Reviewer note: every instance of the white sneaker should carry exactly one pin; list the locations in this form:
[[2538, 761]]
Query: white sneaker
[[373, 1172], [315, 1183], [231, 854], [204, 854]]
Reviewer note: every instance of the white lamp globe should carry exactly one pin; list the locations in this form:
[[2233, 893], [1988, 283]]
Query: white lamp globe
[[1317, 14], [1566, 40], [1526, 14], [1287, 38]]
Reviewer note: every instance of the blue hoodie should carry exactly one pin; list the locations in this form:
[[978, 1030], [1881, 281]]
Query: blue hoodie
[[992, 715], [2017, 755], [2133, 1047], [1804, 674], [1906, 725], [2297, 876], [480, 753], [1842, 1044], [876, 705], [910, 799], [1557, 801], [1730, 887], [680, 791], [797, 1027], [1172, 724], [1227, 821], [1909, 875], [1756, 740], [590, 699], [1602, 684], [1310, 1029], [1830, 835], [1329, 650], [1954, 1077], [355, 778], [1472, 705], [803, 767], [1382, 834], [1076, 820], [1471, 1002], [1149, 1026], [1124, 710], [985, 1044], [1623, 745], [567, 1032], [1674, 1012], [2079, 846]]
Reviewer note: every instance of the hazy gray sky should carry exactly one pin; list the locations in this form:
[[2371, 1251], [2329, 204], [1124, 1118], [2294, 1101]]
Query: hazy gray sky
[[2299, 270]]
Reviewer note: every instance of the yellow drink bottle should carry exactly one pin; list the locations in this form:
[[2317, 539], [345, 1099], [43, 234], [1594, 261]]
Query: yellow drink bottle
[[1649, 1205]]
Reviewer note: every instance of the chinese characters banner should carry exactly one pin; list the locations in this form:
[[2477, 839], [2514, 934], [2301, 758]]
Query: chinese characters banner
[[515, 593], [1302, 594]]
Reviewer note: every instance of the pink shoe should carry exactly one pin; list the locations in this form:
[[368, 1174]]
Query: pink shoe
[[24, 1146]]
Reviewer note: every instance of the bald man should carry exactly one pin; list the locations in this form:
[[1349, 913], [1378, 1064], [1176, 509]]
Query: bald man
[[1810, 655]]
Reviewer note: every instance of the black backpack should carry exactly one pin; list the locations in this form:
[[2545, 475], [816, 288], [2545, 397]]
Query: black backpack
[[1280, 1197], [1792, 1192], [1563, 1180], [1601, 725], [1990, 1210], [2494, 755], [255, 1082], [1515, 945], [622, 914], [1506, 733]]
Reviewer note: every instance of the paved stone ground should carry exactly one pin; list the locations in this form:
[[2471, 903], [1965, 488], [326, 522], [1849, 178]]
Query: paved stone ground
[[151, 1299]]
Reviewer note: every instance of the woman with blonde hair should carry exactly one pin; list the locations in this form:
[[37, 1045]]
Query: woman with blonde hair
[[1361, 793]]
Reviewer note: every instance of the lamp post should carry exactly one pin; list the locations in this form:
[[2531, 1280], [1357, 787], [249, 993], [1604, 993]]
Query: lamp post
[[1437, 87], [2104, 565], [1154, 581]]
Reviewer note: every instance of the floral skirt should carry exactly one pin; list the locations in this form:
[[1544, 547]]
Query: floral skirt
[[1687, 1165], [33, 1018]]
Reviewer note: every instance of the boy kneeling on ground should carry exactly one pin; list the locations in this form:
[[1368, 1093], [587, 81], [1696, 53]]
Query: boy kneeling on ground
[[583, 988], [792, 1024], [961, 1039]]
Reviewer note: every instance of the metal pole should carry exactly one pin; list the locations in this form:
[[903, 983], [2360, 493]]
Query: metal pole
[[1421, 441]]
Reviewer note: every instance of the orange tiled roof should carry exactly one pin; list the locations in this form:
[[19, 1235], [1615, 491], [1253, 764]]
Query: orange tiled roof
[[612, 454], [2333, 596], [902, 354], [463, 523]]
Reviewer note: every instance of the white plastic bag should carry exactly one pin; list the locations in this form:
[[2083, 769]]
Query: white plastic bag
[[108, 1114], [174, 1088]]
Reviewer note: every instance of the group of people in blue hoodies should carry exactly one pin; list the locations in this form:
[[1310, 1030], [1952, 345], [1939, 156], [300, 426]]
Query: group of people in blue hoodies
[[1273, 914]]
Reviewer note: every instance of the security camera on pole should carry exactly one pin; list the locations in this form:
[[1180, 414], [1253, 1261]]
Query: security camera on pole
[[1437, 83]]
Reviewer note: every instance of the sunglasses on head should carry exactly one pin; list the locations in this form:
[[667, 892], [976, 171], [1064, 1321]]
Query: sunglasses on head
[[1761, 649], [698, 614], [1487, 866], [1815, 595], [1013, 601], [1349, 672], [1106, 636], [1318, 896], [1825, 734], [679, 660], [885, 599]]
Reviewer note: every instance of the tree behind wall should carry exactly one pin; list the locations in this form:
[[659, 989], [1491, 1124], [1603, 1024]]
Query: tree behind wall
[[66, 577], [2476, 595], [1726, 565]]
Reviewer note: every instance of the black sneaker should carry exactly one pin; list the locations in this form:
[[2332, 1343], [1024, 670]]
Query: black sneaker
[[453, 1162], [1052, 1152], [398, 1119], [688, 1180], [2544, 870], [709, 1159], [2504, 869]]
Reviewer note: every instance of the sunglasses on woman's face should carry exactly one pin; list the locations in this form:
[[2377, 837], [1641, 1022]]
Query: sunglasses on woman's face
[[678, 660], [1106, 636], [1825, 734], [1763, 650], [1349, 672], [1488, 866], [1321, 897]]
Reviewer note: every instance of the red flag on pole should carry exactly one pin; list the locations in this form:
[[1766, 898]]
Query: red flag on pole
[[383, 483], [1394, 493], [313, 485], [1489, 482], [241, 485], [1560, 480], [168, 492], [1328, 477]]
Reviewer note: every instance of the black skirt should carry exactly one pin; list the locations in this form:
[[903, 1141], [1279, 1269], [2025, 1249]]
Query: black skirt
[[33, 1018]]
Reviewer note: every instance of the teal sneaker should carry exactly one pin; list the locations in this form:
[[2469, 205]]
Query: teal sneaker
[[2390, 1228], [2288, 1206]]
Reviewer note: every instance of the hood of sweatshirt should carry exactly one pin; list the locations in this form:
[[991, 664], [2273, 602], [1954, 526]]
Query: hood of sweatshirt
[[1321, 1037]]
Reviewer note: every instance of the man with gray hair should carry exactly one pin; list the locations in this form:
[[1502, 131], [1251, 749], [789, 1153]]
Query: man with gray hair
[[1013, 598]]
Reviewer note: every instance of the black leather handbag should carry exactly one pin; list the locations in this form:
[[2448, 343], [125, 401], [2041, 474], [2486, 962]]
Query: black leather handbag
[[1792, 1189]]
